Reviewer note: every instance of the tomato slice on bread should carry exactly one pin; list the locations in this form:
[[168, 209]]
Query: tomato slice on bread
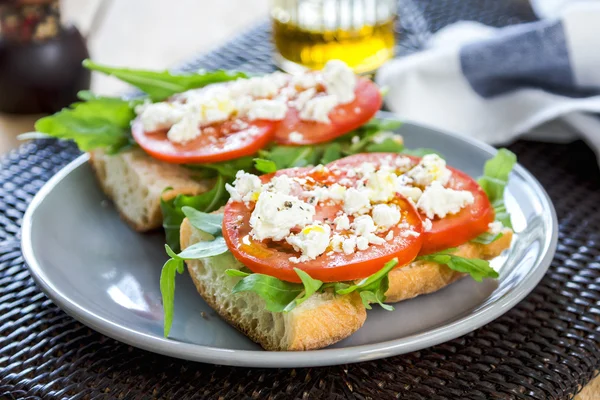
[[218, 142], [273, 257], [344, 118], [454, 229]]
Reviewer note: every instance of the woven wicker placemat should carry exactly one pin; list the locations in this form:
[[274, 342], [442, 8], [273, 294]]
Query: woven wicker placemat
[[547, 347]]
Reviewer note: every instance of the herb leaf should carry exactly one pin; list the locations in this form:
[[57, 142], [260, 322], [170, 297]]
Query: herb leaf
[[209, 223], [167, 289], [236, 272], [204, 249], [487, 238], [265, 166], [494, 181], [389, 145], [162, 84], [98, 123], [276, 293], [367, 283], [173, 214], [477, 268], [310, 287]]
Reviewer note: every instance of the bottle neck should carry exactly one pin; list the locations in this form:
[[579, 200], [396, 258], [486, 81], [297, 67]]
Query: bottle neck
[[26, 21]]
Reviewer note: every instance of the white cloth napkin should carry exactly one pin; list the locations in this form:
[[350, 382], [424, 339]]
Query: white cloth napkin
[[540, 79]]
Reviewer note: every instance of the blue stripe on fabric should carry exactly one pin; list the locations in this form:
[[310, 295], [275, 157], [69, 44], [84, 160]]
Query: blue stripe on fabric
[[530, 55]]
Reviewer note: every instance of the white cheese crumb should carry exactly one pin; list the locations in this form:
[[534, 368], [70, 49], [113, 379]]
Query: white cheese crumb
[[365, 169], [382, 136], [244, 187], [427, 225], [312, 241], [403, 162], [271, 110], [389, 236], [495, 227], [349, 245], [409, 232], [431, 168], [362, 243], [339, 80], [303, 97], [382, 186], [386, 216], [281, 184], [342, 223], [355, 139], [336, 243], [318, 108], [374, 239], [305, 81], [356, 202], [364, 225], [440, 201], [410, 192], [276, 214], [185, 130], [296, 137], [159, 115]]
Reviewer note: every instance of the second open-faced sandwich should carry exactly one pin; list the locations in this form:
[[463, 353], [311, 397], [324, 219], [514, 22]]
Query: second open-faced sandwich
[[296, 257]]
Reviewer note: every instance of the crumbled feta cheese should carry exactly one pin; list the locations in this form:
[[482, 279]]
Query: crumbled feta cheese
[[159, 115], [336, 243], [441, 201], [305, 81], [364, 225], [355, 139], [318, 108], [342, 223], [382, 186], [300, 101], [374, 239], [337, 192], [276, 214], [185, 130], [365, 169], [495, 227], [362, 243], [427, 225], [271, 110], [259, 86], [389, 236], [312, 241], [410, 192], [244, 187], [382, 136], [409, 232], [431, 168], [403, 163], [296, 137], [280, 184], [386, 216], [351, 173], [349, 245], [356, 202], [339, 80]]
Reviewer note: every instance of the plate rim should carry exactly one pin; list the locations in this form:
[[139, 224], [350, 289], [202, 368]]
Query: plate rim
[[288, 359]]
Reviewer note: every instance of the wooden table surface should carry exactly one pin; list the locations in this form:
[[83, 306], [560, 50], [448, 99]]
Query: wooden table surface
[[157, 34]]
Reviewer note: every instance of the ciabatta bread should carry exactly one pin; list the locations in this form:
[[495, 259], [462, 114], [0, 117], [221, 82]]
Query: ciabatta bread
[[422, 277], [135, 182], [321, 320]]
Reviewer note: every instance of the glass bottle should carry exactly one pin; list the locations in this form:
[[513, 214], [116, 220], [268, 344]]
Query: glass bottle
[[308, 33]]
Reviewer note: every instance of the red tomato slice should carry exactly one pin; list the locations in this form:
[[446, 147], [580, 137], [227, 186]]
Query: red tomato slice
[[453, 230], [273, 258], [344, 118], [218, 142]]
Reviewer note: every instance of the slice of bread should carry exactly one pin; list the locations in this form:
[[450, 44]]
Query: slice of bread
[[135, 182], [422, 277], [321, 320]]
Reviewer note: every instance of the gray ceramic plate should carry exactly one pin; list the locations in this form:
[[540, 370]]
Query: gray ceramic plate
[[105, 275]]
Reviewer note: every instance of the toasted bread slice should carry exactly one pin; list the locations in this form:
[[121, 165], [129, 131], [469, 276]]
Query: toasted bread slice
[[135, 182], [321, 320], [422, 277]]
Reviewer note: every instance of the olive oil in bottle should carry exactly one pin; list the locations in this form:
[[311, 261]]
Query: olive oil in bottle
[[308, 33]]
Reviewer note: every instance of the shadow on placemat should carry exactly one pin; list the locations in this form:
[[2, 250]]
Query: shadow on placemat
[[547, 347]]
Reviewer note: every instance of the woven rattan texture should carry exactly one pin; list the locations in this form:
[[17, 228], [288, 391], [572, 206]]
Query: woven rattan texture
[[545, 348]]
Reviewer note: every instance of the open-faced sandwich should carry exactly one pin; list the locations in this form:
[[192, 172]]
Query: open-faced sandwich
[[294, 208]]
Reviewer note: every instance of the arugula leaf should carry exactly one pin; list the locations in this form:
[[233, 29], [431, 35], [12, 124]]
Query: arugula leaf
[[237, 272], [494, 181], [276, 293], [367, 282], [387, 146], [477, 268], [162, 84], [98, 123], [209, 223], [331, 153], [310, 287], [265, 166], [167, 289], [204, 249], [173, 214], [487, 238], [227, 169]]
